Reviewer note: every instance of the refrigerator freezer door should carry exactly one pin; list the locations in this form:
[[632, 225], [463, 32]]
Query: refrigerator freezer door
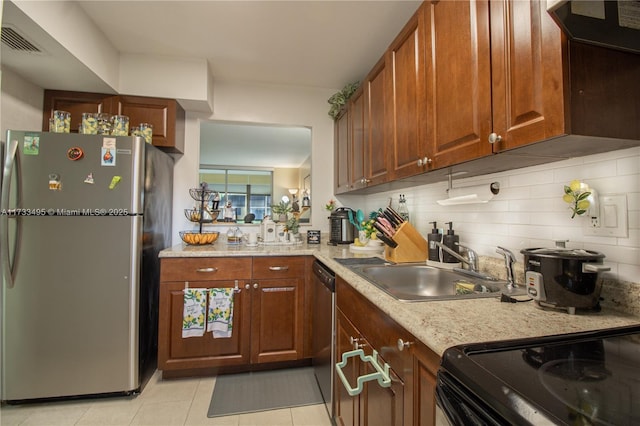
[[70, 320], [68, 172]]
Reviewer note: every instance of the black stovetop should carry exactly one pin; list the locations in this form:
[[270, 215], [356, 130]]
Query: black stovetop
[[582, 378]]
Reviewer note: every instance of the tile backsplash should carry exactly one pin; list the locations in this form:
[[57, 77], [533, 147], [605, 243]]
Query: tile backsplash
[[529, 211]]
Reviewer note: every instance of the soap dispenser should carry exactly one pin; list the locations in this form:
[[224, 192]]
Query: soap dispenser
[[432, 238], [450, 240]]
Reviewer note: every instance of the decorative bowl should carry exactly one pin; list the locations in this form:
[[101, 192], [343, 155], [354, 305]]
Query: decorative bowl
[[195, 238]]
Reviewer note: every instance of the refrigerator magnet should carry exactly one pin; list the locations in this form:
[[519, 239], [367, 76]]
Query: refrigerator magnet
[[54, 182], [108, 157], [75, 153], [114, 181], [31, 145], [89, 179]]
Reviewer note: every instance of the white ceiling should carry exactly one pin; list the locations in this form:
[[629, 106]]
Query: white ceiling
[[304, 43], [324, 44], [262, 146]]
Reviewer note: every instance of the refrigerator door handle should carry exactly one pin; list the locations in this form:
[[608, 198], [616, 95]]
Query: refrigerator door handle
[[7, 269]]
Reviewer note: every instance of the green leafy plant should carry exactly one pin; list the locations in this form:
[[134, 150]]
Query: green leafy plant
[[577, 194], [293, 225], [283, 207], [339, 99]]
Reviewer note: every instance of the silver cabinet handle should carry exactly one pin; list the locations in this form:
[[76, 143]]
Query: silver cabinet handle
[[494, 138], [207, 270], [278, 268], [355, 342], [402, 344], [424, 161], [247, 286], [255, 285]]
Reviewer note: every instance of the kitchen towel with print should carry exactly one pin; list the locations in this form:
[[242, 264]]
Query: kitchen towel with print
[[220, 314], [193, 312]]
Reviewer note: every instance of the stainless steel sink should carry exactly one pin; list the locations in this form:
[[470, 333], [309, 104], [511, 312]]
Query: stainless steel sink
[[419, 282]]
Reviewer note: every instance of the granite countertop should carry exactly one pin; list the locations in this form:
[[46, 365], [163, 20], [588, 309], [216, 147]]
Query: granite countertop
[[438, 324]]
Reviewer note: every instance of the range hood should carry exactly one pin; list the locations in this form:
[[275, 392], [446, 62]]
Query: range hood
[[612, 24]]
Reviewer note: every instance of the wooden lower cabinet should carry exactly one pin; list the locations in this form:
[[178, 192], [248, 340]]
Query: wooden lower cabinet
[[410, 399], [268, 313]]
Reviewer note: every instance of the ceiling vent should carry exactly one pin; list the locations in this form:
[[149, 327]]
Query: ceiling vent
[[15, 41]]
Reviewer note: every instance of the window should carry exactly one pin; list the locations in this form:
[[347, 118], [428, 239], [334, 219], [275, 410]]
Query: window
[[249, 191]]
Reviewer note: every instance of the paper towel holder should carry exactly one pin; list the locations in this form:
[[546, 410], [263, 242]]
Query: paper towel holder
[[470, 194]]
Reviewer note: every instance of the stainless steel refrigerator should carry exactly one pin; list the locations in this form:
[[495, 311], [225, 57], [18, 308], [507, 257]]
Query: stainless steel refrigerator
[[83, 218]]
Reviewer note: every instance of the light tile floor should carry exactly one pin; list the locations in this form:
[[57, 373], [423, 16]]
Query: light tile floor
[[161, 403]]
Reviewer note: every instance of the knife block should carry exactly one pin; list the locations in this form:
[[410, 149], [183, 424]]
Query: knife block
[[412, 247]]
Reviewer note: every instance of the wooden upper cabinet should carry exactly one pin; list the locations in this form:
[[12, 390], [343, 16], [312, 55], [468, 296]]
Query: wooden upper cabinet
[[377, 160], [407, 116], [458, 75], [358, 131], [528, 79], [76, 103], [341, 153], [166, 115]]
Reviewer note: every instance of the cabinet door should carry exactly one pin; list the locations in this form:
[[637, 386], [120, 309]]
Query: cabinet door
[[346, 407], [176, 352], [425, 368], [458, 75], [376, 148], [341, 153], [166, 116], [76, 103], [407, 106], [356, 149], [381, 406], [527, 73], [277, 324]]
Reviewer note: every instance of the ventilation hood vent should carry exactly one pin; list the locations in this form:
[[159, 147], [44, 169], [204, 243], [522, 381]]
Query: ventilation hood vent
[[610, 23], [15, 41]]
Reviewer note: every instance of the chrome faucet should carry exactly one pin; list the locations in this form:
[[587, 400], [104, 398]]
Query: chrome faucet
[[471, 260], [509, 260]]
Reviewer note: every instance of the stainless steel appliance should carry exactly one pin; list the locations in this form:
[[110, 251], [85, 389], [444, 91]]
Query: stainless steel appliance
[[342, 230], [589, 378], [323, 330], [83, 219], [564, 278], [612, 24]]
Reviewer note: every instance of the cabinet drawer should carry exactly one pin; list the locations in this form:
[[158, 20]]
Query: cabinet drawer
[[205, 268], [278, 267]]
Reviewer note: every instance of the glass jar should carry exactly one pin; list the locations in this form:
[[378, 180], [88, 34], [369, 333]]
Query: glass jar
[[134, 131], [104, 123], [120, 125], [89, 124], [146, 131], [61, 121]]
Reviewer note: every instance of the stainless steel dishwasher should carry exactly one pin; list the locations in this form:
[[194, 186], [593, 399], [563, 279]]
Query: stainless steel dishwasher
[[324, 282]]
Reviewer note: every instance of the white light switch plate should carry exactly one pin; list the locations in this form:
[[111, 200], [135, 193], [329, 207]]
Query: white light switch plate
[[612, 219]]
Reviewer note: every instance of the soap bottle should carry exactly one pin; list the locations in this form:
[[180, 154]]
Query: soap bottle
[[432, 238], [403, 211], [450, 240]]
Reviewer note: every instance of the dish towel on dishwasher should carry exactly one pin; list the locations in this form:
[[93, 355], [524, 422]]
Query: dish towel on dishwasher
[[220, 314], [193, 312]]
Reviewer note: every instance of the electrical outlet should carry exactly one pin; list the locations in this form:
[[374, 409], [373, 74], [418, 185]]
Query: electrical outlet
[[611, 219]]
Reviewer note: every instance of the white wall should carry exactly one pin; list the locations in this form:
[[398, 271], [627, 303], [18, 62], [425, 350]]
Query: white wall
[[21, 104], [529, 211], [270, 105]]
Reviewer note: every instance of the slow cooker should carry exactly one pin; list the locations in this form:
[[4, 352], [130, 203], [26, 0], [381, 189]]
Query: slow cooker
[[564, 278], [341, 229]]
